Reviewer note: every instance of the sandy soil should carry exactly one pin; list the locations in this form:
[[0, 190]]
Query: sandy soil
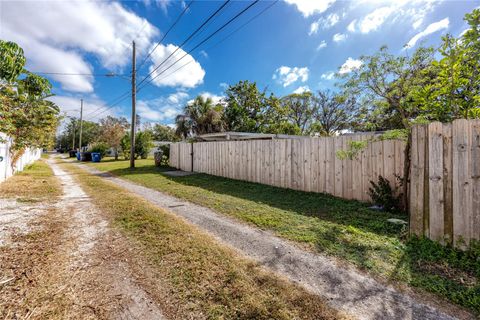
[[61, 260], [345, 288]]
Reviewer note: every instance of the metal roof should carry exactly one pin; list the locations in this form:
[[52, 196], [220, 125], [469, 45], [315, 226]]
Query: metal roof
[[223, 136]]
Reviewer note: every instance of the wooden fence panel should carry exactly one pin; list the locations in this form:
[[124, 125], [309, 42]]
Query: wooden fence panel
[[308, 164], [445, 182]]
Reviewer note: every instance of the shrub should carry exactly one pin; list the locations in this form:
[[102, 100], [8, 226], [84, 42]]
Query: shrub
[[166, 154], [384, 195], [143, 144], [99, 147]]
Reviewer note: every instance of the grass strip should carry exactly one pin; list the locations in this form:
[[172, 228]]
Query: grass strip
[[37, 182], [345, 229], [204, 278]]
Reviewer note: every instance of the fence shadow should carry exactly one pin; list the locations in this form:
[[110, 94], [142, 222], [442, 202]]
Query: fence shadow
[[322, 206]]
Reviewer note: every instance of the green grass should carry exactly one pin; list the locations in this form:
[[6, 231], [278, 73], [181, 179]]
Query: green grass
[[344, 229], [201, 278]]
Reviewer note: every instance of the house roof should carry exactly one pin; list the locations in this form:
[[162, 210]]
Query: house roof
[[223, 136]]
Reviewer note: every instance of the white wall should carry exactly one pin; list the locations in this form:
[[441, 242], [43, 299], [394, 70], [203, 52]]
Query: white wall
[[29, 156]]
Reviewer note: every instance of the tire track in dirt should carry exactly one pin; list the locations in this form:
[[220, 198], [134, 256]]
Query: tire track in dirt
[[101, 281], [344, 288]]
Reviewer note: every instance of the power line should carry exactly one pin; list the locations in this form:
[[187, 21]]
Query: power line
[[203, 41], [109, 105], [186, 40], [79, 74], [243, 25], [166, 33], [223, 39]]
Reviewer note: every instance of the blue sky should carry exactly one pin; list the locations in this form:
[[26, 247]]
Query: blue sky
[[295, 45]]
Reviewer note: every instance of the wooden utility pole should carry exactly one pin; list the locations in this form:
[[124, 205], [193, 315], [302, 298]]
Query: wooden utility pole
[[73, 129], [81, 126], [134, 98]]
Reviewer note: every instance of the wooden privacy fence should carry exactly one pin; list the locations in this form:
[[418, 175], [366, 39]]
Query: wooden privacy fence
[[445, 181], [307, 164]]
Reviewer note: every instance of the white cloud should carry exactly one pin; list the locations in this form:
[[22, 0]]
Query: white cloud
[[161, 109], [339, 37], [351, 26], [349, 65], [177, 97], [310, 7], [322, 45], [93, 107], [432, 28], [203, 53], [411, 11], [215, 98], [57, 39], [328, 76], [287, 75], [223, 85], [324, 23], [375, 19], [302, 89], [188, 77]]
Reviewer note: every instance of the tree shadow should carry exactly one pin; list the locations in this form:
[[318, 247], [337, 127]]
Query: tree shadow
[[318, 205]]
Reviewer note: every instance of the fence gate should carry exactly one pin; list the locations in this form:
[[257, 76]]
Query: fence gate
[[445, 181]]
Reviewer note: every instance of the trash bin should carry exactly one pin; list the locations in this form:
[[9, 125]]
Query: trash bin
[[79, 156], [72, 153], [96, 157], [85, 156], [158, 155]]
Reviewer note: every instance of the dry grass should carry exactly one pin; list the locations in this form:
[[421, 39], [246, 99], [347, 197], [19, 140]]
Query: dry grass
[[35, 183], [201, 278], [33, 267]]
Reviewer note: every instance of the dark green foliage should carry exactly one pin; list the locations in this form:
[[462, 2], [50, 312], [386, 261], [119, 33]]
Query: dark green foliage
[[384, 195], [143, 144], [166, 154], [448, 272], [99, 147]]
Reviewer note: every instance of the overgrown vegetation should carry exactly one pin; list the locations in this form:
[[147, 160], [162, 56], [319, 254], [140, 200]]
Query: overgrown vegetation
[[25, 114], [202, 278], [340, 228], [382, 194]]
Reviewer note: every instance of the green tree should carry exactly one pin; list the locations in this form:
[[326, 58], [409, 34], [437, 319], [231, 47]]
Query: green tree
[[384, 84], [111, 131], [143, 144], [25, 115], [300, 108], [332, 114], [164, 133], [455, 90], [245, 106], [200, 117]]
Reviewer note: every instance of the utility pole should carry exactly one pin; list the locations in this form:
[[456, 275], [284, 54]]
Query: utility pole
[[73, 129], [134, 98], [81, 126]]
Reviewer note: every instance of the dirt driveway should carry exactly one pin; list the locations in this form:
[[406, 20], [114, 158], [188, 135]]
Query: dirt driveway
[[345, 288], [62, 260]]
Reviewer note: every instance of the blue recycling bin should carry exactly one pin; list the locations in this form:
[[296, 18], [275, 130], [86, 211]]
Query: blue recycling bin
[[96, 157], [79, 156]]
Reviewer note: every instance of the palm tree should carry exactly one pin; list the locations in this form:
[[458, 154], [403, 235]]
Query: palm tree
[[201, 116]]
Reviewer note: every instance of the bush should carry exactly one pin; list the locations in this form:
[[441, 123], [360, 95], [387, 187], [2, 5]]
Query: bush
[[99, 147], [384, 195], [125, 146], [143, 144]]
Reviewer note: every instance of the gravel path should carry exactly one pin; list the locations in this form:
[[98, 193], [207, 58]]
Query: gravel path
[[95, 260], [345, 289]]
